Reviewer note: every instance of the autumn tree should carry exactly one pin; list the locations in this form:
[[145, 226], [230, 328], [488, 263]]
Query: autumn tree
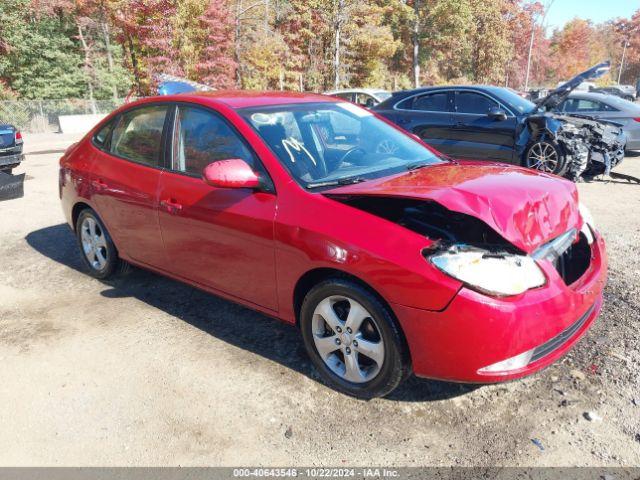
[[216, 66]]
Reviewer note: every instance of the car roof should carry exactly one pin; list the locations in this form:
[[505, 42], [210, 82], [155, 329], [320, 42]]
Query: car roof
[[491, 88], [255, 98]]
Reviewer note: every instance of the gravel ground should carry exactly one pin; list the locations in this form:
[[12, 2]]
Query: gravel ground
[[147, 371]]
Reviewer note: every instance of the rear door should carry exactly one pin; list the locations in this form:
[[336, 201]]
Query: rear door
[[124, 181], [429, 116], [218, 237], [478, 136]]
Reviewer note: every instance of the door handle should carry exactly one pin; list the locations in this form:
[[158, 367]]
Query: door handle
[[171, 206], [98, 185]]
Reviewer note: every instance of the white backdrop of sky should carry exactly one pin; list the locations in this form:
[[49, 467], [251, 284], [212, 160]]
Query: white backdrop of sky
[[597, 11]]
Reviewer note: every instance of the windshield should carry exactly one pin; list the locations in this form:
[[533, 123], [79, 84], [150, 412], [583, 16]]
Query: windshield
[[516, 101], [324, 144], [383, 95]]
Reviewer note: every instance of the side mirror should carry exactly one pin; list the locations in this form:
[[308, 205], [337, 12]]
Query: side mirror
[[231, 173], [497, 114]]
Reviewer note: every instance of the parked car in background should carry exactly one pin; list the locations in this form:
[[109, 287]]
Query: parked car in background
[[389, 257], [616, 91], [606, 107], [366, 97], [629, 90], [583, 86], [494, 123], [11, 145]]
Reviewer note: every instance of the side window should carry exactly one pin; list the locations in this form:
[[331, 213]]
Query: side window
[[587, 106], [345, 96], [606, 108], [101, 138], [201, 137], [138, 135], [433, 102], [570, 105], [365, 100], [474, 103]]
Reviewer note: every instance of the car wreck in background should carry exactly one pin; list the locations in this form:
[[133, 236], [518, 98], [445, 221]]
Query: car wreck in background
[[605, 141], [494, 123]]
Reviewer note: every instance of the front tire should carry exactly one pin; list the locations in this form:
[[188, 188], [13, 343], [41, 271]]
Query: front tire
[[97, 250], [545, 156], [353, 339]]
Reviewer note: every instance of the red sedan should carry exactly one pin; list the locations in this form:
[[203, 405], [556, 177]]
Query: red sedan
[[390, 257]]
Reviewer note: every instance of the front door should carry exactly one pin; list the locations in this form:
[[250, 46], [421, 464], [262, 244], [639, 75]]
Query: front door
[[476, 135], [218, 237], [124, 181]]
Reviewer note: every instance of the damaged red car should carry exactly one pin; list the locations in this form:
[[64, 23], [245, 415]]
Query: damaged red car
[[391, 258]]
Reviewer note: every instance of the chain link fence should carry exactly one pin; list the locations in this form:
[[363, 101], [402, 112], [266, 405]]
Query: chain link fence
[[42, 116]]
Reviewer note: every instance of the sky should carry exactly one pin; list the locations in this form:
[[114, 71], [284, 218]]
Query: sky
[[596, 10]]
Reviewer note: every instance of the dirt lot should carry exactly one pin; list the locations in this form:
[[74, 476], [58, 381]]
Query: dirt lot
[[146, 371]]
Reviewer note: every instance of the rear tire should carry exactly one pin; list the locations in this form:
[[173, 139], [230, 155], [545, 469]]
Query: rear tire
[[97, 249], [545, 156], [353, 339]]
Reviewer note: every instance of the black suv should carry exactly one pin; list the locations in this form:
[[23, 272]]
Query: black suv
[[10, 148]]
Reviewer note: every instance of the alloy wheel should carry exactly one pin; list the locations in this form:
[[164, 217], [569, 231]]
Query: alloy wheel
[[544, 157], [94, 243], [348, 339]]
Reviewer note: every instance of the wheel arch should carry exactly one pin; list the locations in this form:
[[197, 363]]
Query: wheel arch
[[75, 212], [315, 276]]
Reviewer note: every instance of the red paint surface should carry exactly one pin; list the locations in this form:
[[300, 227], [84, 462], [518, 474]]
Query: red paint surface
[[253, 247], [232, 173]]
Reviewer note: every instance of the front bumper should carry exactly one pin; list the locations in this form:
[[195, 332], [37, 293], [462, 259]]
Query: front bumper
[[476, 331]]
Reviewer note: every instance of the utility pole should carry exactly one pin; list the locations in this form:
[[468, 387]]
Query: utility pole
[[624, 53], [533, 32]]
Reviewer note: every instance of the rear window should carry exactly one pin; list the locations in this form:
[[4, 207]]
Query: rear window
[[138, 135], [431, 102]]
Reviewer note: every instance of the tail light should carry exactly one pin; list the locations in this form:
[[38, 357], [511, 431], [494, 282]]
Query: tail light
[[18, 135], [637, 119]]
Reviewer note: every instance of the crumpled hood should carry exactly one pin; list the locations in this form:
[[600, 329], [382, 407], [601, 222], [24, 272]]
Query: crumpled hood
[[526, 207]]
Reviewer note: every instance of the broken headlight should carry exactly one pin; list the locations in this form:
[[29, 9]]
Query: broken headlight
[[500, 274]]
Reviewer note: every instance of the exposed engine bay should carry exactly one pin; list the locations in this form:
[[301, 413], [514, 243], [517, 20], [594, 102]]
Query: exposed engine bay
[[453, 231], [593, 147]]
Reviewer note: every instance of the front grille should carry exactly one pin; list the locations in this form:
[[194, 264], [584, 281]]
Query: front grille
[[574, 261], [560, 339]]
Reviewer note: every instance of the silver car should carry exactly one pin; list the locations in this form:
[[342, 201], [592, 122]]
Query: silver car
[[366, 97], [606, 107]]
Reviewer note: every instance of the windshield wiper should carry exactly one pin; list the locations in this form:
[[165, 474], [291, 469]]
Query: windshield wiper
[[418, 165], [340, 181]]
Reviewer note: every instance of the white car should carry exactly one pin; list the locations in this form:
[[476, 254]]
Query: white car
[[366, 97]]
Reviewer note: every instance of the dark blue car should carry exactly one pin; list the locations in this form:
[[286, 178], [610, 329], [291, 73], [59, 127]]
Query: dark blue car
[[494, 123], [10, 148]]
